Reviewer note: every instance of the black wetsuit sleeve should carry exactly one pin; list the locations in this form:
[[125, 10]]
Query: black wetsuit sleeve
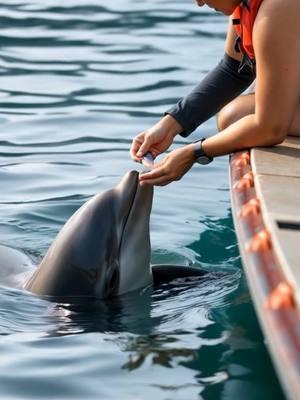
[[221, 85]]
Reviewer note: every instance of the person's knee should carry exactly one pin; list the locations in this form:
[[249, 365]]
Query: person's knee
[[237, 109], [226, 116]]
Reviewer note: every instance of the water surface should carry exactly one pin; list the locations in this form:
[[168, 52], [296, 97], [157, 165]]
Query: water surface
[[78, 79]]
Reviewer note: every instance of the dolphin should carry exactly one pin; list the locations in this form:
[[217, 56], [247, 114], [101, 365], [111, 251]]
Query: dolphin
[[104, 249]]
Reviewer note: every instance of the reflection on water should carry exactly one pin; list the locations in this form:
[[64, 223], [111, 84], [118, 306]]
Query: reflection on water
[[78, 79]]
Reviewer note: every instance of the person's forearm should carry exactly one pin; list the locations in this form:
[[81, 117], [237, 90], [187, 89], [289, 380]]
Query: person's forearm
[[221, 85], [170, 125], [245, 133]]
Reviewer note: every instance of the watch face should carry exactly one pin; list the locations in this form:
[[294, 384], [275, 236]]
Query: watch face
[[203, 160], [200, 156]]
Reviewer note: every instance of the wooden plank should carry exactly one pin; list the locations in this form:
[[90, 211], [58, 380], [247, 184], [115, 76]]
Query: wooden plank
[[280, 195], [281, 160], [289, 242], [280, 320], [280, 202]]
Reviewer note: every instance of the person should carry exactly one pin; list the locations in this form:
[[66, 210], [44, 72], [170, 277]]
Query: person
[[262, 46]]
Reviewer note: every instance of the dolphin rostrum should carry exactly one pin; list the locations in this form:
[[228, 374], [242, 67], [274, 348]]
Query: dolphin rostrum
[[103, 250]]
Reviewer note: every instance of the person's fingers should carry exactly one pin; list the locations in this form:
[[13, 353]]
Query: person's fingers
[[147, 142], [133, 150], [135, 146], [160, 180], [159, 176]]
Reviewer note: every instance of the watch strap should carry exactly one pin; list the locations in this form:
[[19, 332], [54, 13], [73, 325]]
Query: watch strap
[[199, 151]]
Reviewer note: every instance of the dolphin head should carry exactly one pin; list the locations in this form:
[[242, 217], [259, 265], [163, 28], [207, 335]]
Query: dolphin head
[[104, 248], [134, 203]]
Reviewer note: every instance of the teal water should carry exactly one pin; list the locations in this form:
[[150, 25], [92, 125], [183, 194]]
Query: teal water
[[78, 79]]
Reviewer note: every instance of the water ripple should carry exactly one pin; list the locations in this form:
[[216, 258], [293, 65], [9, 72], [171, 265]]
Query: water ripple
[[78, 79]]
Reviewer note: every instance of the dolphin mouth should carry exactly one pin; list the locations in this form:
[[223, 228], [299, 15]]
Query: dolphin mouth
[[138, 201], [129, 185], [133, 178], [134, 237]]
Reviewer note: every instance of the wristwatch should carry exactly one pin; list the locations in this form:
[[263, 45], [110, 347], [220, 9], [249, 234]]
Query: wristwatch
[[200, 156]]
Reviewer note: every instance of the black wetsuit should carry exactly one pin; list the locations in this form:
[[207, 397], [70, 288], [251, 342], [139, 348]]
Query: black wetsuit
[[221, 85]]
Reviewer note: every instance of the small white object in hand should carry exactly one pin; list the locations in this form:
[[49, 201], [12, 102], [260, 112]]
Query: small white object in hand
[[148, 160]]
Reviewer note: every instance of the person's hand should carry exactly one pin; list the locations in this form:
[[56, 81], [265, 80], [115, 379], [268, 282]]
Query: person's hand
[[171, 168], [155, 140]]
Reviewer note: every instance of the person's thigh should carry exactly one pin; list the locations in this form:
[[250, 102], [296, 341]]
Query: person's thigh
[[245, 105]]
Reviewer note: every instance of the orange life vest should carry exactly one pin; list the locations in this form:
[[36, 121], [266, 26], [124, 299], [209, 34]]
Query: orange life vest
[[243, 19]]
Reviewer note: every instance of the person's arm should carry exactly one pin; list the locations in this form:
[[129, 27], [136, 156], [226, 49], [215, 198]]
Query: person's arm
[[220, 86], [277, 94]]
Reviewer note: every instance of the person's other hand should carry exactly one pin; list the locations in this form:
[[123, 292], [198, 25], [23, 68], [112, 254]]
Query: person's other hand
[[155, 140], [171, 168]]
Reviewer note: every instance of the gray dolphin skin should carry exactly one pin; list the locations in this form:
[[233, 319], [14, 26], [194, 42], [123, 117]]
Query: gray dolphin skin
[[104, 249]]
